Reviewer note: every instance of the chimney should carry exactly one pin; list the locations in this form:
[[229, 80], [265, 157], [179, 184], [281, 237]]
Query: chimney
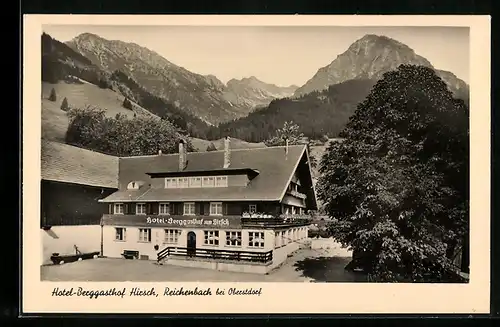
[[182, 155], [227, 153], [286, 149]]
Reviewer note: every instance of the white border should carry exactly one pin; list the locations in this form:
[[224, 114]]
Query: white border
[[276, 297]]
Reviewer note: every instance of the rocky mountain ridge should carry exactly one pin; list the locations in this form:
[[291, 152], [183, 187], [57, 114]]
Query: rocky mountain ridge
[[204, 96], [369, 58]]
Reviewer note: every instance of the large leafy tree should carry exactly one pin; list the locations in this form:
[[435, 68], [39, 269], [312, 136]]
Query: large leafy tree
[[397, 185], [291, 132], [120, 136]]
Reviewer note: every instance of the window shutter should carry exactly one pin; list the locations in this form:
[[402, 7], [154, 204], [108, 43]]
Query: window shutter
[[148, 209], [155, 208], [110, 208], [206, 208], [224, 209], [179, 208], [126, 208], [202, 208], [197, 208], [171, 208], [131, 208]]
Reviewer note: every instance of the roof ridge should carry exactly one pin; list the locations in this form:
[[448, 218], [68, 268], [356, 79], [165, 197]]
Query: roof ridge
[[201, 152], [65, 145]]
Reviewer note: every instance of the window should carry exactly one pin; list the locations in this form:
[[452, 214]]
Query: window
[[140, 208], [215, 208], [118, 209], [256, 239], [283, 238], [301, 211], [164, 209], [233, 238], [183, 182], [221, 181], [293, 210], [287, 210], [170, 182], [144, 234], [194, 181], [211, 237], [172, 235], [120, 234], [189, 208], [208, 182], [252, 208]]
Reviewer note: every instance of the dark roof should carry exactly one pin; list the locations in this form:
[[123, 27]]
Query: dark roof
[[275, 169], [70, 164]]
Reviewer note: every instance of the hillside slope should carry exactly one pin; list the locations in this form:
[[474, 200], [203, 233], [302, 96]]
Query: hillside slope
[[317, 113], [55, 121]]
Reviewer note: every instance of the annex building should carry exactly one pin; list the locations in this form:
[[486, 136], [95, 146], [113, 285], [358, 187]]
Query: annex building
[[235, 209]]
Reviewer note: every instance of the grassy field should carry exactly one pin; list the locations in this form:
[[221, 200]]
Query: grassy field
[[55, 121]]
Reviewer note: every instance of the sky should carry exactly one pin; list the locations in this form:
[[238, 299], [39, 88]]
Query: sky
[[282, 55]]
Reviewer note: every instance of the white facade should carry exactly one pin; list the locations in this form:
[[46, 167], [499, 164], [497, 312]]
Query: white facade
[[282, 242]]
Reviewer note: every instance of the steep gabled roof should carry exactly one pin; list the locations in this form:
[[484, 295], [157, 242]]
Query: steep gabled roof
[[70, 164], [275, 167]]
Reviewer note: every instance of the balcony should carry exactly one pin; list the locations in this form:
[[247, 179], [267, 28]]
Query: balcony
[[297, 194], [276, 221]]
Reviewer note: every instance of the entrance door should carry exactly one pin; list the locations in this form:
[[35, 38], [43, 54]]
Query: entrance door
[[191, 244]]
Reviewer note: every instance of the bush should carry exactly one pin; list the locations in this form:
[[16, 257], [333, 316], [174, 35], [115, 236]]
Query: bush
[[127, 104], [211, 147]]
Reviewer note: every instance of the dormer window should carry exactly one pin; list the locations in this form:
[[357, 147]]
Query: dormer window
[[134, 185], [221, 181], [208, 181]]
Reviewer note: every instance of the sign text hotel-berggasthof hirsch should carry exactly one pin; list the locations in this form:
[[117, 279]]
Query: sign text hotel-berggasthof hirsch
[[188, 222]]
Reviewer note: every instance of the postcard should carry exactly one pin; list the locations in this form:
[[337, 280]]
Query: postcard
[[256, 164]]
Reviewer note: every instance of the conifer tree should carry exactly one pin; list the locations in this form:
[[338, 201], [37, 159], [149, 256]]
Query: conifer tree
[[65, 105], [53, 96]]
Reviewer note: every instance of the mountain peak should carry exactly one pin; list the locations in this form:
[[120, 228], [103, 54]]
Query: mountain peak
[[369, 57], [87, 36]]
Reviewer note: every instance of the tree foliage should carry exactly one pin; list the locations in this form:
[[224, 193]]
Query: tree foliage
[[398, 183], [211, 147], [53, 96], [291, 132], [120, 136], [318, 113]]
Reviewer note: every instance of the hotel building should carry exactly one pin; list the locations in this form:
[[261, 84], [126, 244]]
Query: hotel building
[[236, 209]]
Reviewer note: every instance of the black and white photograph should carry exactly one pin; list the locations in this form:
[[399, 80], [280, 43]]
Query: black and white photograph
[[262, 153]]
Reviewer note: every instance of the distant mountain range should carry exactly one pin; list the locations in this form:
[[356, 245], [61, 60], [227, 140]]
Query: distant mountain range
[[248, 108], [203, 96]]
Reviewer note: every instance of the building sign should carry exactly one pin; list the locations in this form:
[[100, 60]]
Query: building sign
[[172, 221]]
